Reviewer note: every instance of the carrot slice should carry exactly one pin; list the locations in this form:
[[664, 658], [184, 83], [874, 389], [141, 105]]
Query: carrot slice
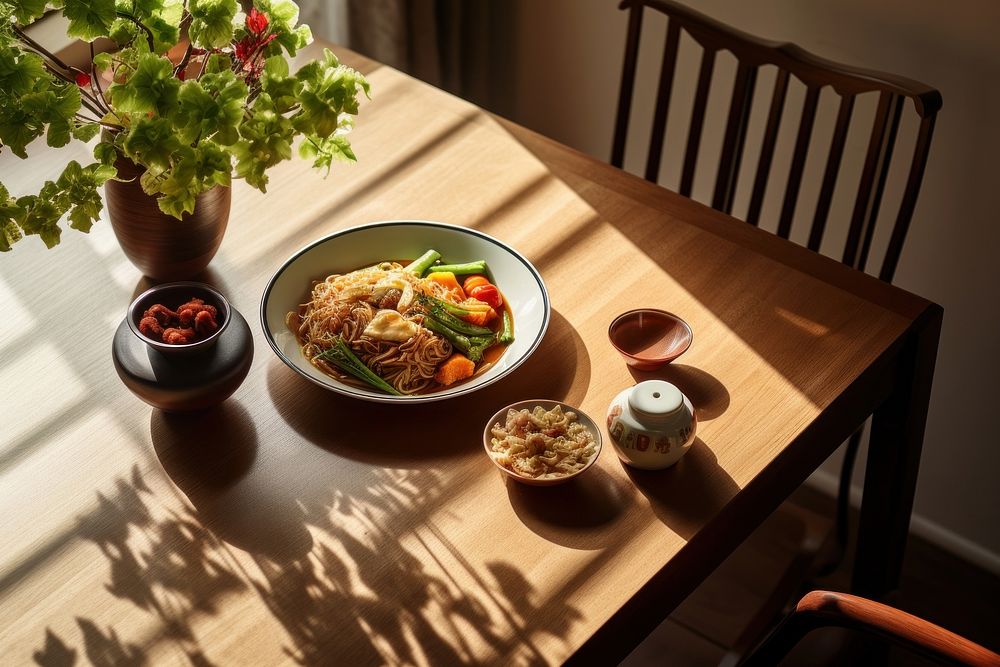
[[454, 368]]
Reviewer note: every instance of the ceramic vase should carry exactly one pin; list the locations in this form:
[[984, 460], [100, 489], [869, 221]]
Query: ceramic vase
[[159, 245]]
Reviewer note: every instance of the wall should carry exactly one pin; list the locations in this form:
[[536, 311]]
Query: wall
[[568, 63]]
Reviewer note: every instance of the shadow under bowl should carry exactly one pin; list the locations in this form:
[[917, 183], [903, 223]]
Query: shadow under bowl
[[648, 338], [173, 295], [501, 417]]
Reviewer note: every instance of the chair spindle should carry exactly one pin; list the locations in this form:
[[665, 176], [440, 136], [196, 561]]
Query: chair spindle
[[732, 145], [663, 101], [832, 170], [798, 162], [883, 172], [697, 121], [909, 202], [767, 148], [628, 84]]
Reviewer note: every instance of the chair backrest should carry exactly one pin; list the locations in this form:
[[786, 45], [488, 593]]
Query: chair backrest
[[815, 73]]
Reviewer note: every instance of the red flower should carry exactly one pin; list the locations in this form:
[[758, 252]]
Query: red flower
[[247, 47], [82, 79], [256, 22]]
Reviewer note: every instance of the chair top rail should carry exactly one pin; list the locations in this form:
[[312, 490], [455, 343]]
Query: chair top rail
[[811, 69]]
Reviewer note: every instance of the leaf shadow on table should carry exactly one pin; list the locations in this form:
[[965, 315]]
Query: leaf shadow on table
[[369, 596], [386, 435], [688, 494], [578, 514], [708, 395], [348, 560]]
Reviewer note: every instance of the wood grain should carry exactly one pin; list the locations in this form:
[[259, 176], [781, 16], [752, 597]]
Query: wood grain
[[294, 526]]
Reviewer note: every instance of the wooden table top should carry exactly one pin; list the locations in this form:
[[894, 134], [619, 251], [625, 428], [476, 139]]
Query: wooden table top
[[292, 525]]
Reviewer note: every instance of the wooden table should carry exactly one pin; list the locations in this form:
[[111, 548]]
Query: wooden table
[[294, 525]]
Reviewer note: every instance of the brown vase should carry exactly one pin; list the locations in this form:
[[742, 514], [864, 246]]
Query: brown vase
[[160, 245]]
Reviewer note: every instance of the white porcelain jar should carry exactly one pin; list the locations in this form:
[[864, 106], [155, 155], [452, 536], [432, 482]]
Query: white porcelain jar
[[652, 425]]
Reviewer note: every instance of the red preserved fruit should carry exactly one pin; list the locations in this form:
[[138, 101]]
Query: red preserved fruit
[[193, 321], [176, 336], [204, 323], [150, 328], [163, 315]]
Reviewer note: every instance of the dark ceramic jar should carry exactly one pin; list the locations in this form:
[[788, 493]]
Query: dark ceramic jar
[[193, 376]]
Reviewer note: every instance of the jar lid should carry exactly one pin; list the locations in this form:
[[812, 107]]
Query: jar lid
[[655, 399]]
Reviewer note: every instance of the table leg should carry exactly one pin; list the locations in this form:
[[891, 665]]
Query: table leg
[[893, 458]]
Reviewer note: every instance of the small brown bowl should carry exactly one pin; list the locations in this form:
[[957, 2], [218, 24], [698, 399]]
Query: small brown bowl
[[501, 417], [173, 295], [648, 338]]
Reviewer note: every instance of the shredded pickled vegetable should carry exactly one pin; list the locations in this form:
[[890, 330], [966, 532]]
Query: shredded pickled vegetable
[[541, 443]]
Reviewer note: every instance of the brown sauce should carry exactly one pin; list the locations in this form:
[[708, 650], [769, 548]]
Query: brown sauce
[[648, 337]]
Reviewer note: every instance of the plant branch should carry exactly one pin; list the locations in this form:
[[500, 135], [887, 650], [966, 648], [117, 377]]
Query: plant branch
[[182, 65], [35, 46], [141, 26], [95, 82]]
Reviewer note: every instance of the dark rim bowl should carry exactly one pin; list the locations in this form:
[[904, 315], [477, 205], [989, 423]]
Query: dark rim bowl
[[679, 345], [583, 418], [172, 295]]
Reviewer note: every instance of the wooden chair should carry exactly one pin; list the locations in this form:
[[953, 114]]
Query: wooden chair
[[752, 54], [820, 609]]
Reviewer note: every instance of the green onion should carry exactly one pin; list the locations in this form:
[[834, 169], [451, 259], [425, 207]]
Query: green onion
[[461, 269], [506, 336], [437, 309], [418, 266], [343, 358]]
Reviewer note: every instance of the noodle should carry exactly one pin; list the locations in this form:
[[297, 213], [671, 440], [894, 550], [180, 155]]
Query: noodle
[[344, 305]]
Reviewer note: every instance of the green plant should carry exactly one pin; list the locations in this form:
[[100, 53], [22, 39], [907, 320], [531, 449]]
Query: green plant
[[226, 105]]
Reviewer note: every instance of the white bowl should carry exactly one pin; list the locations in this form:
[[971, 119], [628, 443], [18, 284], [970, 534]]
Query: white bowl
[[520, 282]]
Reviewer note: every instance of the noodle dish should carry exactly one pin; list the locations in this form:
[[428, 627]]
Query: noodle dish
[[405, 311]]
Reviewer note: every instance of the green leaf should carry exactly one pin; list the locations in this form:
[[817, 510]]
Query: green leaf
[[105, 153], [102, 61], [327, 89], [58, 134], [19, 71], [151, 142], [212, 22], [266, 141], [85, 131], [10, 212], [165, 33], [17, 130], [151, 87], [324, 152], [211, 108], [26, 11], [89, 19], [42, 215], [218, 62]]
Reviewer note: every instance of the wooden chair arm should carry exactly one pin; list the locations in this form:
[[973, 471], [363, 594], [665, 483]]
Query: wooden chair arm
[[826, 608]]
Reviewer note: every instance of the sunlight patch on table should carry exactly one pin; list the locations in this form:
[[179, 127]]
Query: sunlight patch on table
[[16, 318], [28, 407], [102, 237], [125, 275], [80, 467]]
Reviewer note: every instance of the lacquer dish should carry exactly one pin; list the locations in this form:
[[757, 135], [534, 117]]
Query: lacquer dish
[[366, 245], [649, 338], [182, 377]]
